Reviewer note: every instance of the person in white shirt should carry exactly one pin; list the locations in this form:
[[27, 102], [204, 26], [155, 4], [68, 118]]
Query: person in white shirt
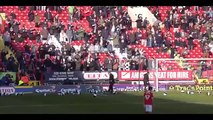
[[92, 48], [63, 37], [97, 47], [53, 40]]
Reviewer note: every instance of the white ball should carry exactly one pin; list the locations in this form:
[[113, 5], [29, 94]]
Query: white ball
[[164, 94], [208, 93], [188, 92], [45, 94], [94, 95], [182, 91]]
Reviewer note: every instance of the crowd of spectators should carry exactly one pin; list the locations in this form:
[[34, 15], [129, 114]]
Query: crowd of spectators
[[109, 29]]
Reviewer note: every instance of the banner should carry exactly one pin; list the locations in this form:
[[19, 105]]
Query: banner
[[62, 76], [67, 88], [7, 90], [81, 88], [98, 75], [24, 89], [77, 76], [12, 75], [44, 89], [162, 75], [191, 87]]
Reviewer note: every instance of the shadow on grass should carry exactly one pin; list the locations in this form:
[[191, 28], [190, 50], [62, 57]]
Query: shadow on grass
[[121, 103]]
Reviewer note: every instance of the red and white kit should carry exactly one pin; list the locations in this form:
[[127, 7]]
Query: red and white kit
[[148, 98]]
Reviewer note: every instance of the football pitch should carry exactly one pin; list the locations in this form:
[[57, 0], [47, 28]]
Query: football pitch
[[120, 103]]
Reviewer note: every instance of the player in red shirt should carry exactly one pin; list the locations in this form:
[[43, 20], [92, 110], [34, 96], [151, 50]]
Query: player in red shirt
[[148, 98]]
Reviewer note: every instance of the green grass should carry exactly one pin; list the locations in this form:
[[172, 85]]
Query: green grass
[[123, 103]]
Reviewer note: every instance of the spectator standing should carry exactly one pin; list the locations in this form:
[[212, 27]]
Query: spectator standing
[[16, 26], [7, 38], [139, 22], [69, 34], [71, 10], [31, 16], [56, 19], [44, 34], [172, 54], [150, 41], [13, 15], [167, 24], [81, 33], [190, 42], [131, 37], [63, 36], [48, 15], [37, 20]]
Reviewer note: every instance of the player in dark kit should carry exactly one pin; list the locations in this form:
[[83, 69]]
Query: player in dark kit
[[111, 82], [146, 80], [148, 100]]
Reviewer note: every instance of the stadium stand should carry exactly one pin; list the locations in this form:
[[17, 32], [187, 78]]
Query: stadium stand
[[87, 38]]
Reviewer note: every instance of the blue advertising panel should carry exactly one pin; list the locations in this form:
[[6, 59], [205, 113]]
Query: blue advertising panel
[[24, 89]]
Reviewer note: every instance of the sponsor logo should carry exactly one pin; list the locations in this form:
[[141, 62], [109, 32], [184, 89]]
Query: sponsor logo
[[51, 90], [191, 87], [69, 90], [44, 90], [98, 75], [161, 75], [7, 90]]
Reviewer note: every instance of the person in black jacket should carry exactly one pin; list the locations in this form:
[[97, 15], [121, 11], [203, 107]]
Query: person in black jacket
[[16, 26], [31, 16], [13, 15], [139, 22], [111, 82], [146, 80], [190, 42], [30, 34], [48, 15]]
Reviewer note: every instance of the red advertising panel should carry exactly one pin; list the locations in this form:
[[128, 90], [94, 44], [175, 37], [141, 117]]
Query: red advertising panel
[[162, 75]]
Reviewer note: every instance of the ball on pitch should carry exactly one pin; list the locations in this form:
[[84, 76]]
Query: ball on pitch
[[94, 95]]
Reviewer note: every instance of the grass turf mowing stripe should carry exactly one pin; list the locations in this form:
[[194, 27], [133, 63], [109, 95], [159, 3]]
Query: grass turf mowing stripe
[[80, 104]]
